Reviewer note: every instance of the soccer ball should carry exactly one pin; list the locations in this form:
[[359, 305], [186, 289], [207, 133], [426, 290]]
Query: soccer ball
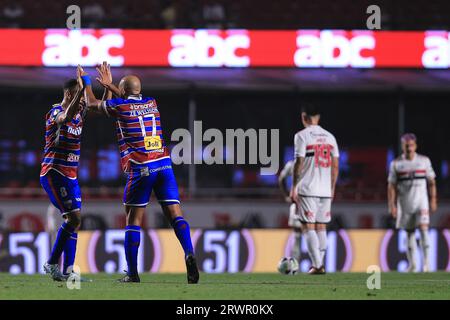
[[288, 265]]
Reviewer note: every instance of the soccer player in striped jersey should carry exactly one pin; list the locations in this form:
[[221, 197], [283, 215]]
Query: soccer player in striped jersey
[[316, 170], [146, 161], [58, 176], [409, 176]]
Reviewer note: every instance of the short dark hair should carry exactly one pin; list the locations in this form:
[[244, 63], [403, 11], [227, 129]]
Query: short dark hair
[[70, 84], [408, 136], [310, 109]]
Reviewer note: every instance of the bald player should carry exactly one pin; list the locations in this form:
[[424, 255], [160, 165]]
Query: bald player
[[146, 161]]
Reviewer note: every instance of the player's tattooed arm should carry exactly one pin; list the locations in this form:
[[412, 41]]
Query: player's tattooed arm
[[334, 174], [71, 105], [296, 179], [392, 199], [432, 191]]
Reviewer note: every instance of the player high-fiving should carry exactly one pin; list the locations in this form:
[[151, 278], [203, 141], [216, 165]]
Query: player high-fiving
[[58, 176], [146, 161]]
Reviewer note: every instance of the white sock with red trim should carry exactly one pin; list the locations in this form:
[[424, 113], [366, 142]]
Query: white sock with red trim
[[425, 247], [313, 247], [322, 235], [295, 251], [411, 251]]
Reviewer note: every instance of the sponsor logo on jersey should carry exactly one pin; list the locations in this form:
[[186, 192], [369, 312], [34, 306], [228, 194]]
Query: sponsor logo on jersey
[[151, 104], [74, 131], [152, 143]]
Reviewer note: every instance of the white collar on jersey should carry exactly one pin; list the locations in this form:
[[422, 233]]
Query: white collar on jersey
[[135, 96], [404, 157]]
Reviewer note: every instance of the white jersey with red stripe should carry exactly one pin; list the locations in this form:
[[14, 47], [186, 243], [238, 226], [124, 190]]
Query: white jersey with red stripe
[[410, 178], [318, 147]]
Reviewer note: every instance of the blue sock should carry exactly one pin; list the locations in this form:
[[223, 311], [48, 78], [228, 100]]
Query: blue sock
[[131, 244], [64, 233], [69, 252], [183, 232]]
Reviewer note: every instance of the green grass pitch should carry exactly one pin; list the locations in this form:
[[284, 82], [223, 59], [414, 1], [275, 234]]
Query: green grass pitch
[[238, 286]]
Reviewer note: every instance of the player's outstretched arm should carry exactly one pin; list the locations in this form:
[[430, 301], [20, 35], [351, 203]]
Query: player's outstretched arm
[[105, 79], [92, 103], [107, 94], [73, 104]]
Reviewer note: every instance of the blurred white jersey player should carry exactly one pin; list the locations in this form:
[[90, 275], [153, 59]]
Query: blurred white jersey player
[[315, 173], [411, 177], [294, 219]]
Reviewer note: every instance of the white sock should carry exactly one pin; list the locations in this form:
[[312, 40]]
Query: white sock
[[313, 247], [411, 249], [425, 245], [322, 235], [295, 251]]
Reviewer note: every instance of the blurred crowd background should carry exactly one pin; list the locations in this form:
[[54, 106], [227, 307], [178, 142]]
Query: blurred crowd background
[[247, 14]]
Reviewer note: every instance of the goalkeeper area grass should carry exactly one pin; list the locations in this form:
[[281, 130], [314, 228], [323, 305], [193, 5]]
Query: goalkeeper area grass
[[238, 286]]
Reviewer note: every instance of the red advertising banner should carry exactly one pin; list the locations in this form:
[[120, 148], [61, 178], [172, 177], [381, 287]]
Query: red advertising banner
[[226, 48]]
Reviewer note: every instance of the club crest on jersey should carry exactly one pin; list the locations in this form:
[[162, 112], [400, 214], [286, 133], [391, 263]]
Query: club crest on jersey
[[73, 157], [144, 171]]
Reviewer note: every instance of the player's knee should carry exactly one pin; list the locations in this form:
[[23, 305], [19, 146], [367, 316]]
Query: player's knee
[[135, 215], [134, 220], [172, 211]]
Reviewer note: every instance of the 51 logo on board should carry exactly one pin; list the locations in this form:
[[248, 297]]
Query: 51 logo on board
[[24, 252], [106, 252], [393, 251], [220, 251]]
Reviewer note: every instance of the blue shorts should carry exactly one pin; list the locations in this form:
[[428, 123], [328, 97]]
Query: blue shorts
[[157, 176], [64, 193]]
